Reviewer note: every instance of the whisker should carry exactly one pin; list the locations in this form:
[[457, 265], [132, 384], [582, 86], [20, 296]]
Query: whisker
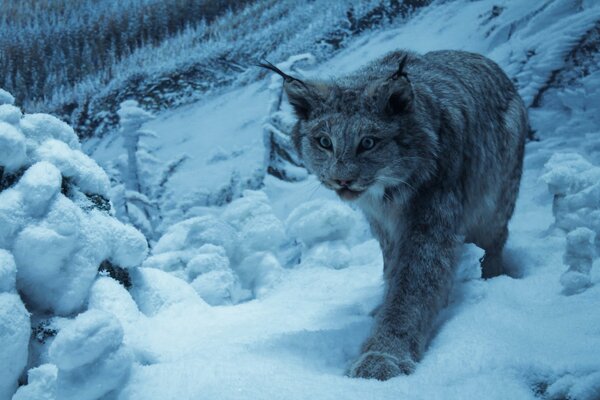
[[314, 190]]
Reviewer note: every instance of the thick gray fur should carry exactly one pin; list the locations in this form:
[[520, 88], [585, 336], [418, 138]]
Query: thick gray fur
[[450, 130]]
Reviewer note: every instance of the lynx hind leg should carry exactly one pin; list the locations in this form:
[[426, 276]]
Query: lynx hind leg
[[492, 263]]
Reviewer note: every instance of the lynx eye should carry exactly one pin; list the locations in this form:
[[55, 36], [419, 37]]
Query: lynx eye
[[366, 143], [324, 142]]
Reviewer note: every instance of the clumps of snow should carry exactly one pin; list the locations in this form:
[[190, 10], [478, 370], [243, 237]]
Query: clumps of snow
[[260, 272], [6, 98], [87, 360], [15, 328], [89, 337], [41, 127], [579, 256], [257, 227], [155, 290], [10, 114], [8, 272], [12, 147], [84, 171], [55, 230], [317, 221], [41, 384], [575, 184], [227, 256]]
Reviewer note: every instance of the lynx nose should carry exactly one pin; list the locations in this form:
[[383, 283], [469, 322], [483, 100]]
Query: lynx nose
[[343, 182]]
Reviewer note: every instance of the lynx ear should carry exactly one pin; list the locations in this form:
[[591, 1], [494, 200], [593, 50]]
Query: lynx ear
[[303, 97], [400, 99], [401, 96]]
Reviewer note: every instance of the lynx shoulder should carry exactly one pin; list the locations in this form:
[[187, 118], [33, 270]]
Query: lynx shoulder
[[430, 147]]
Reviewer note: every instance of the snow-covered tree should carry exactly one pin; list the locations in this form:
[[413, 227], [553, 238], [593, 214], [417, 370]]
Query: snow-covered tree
[[131, 199], [56, 230], [575, 184]]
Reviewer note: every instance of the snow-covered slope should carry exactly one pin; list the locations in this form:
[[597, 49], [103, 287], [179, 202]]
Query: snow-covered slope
[[292, 274]]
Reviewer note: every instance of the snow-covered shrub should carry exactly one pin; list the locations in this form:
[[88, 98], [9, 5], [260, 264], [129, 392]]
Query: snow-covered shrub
[[575, 184], [227, 256], [579, 256], [154, 290], [323, 229], [56, 229], [131, 198], [319, 220]]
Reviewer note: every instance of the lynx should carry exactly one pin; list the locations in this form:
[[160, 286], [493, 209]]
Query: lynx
[[430, 148]]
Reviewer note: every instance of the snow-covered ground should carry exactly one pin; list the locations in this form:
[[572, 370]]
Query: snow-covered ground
[[270, 296]]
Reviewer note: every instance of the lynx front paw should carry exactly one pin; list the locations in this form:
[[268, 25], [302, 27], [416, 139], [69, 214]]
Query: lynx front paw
[[380, 366]]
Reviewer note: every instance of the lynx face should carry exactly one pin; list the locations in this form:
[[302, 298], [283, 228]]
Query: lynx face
[[362, 139], [352, 154]]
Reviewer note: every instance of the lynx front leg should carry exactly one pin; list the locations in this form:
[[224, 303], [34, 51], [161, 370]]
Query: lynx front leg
[[415, 294]]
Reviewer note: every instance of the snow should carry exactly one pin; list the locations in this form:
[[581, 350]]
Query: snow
[[12, 147], [41, 384], [265, 291], [8, 272], [6, 98], [14, 339], [155, 290], [90, 336], [317, 221]]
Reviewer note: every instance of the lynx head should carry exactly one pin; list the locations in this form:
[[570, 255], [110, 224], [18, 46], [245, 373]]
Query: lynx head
[[360, 137]]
